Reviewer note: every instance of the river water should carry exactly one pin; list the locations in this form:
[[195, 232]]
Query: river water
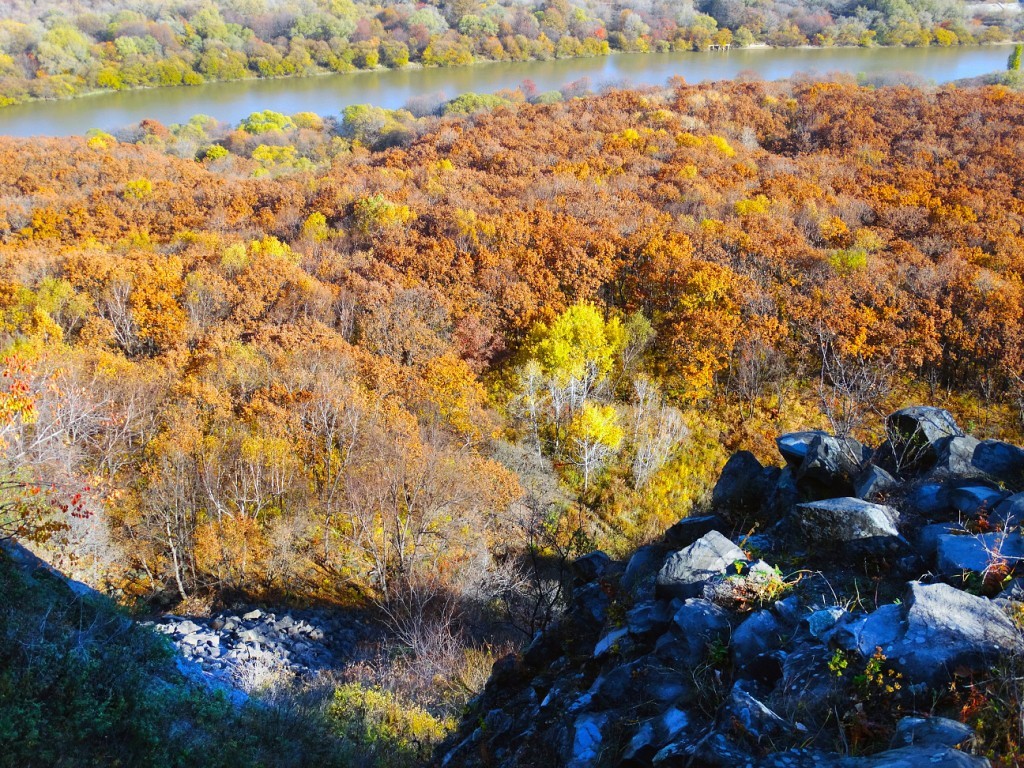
[[394, 88]]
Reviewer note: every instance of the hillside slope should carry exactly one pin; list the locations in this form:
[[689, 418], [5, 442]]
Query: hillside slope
[[82, 684]]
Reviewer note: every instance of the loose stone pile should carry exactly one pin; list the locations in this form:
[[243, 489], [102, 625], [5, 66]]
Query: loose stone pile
[[240, 649]]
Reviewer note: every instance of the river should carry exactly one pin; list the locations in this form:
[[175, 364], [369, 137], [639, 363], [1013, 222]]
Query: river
[[329, 94]]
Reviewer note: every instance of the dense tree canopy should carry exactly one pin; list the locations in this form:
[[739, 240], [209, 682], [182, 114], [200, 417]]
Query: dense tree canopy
[[338, 355]]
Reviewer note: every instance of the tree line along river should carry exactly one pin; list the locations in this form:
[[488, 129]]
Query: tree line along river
[[392, 89]]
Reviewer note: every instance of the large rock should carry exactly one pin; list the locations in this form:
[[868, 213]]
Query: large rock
[[1001, 462], [830, 466], [1009, 513], [808, 691], [979, 553], [755, 718], [781, 496], [695, 627], [975, 499], [932, 732], [655, 734], [590, 606], [872, 482], [848, 526], [926, 538], [587, 740], [741, 488], [648, 619], [915, 432], [955, 456], [931, 500], [646, 680], [793, 446], [642, 572], [684, 573], [761, 633], [936, 630], [689, 529], [591, 567]]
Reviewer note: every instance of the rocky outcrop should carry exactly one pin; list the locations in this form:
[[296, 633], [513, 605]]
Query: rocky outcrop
[[699, 651]]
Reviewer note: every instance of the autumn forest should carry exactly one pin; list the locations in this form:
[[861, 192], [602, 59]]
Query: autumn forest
[[411, 364]]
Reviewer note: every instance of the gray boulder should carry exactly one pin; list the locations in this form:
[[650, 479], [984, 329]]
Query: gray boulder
[[955, 456], [829, 467], [761, 633], [937, 630], [872, 482], [696, 625], [689, 529], [808, 691], [642, 572], [977, 553], [684, 573], [590, 605], [821, 621], [587, 740], [741, 487], [793, 446], [591, 567], [1000, 461], [648, 619], [654, 734], [927, 538], [931, 500], [848, 526], [915, 432], [1009, 513], [972, 500], [757, 720], [614, 642], [932, 732]]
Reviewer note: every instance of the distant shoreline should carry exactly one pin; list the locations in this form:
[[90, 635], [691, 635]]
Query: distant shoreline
[[477, 62]]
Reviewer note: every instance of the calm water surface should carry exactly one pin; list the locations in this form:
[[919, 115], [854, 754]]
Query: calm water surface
[[394, 88]]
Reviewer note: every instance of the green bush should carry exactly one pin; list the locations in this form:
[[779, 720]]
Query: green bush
[[471, 103], [390, 732]]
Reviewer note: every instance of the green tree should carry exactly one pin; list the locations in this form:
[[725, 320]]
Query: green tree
[[395, 53], [1015, 58], [63, 50], [471, 103], [267, 121]]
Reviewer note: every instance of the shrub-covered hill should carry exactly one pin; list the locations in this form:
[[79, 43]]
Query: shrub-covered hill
[[873, 620], [82, 684]]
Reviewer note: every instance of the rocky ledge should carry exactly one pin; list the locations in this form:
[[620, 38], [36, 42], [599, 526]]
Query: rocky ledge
[[816, 616], [242, 649]]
